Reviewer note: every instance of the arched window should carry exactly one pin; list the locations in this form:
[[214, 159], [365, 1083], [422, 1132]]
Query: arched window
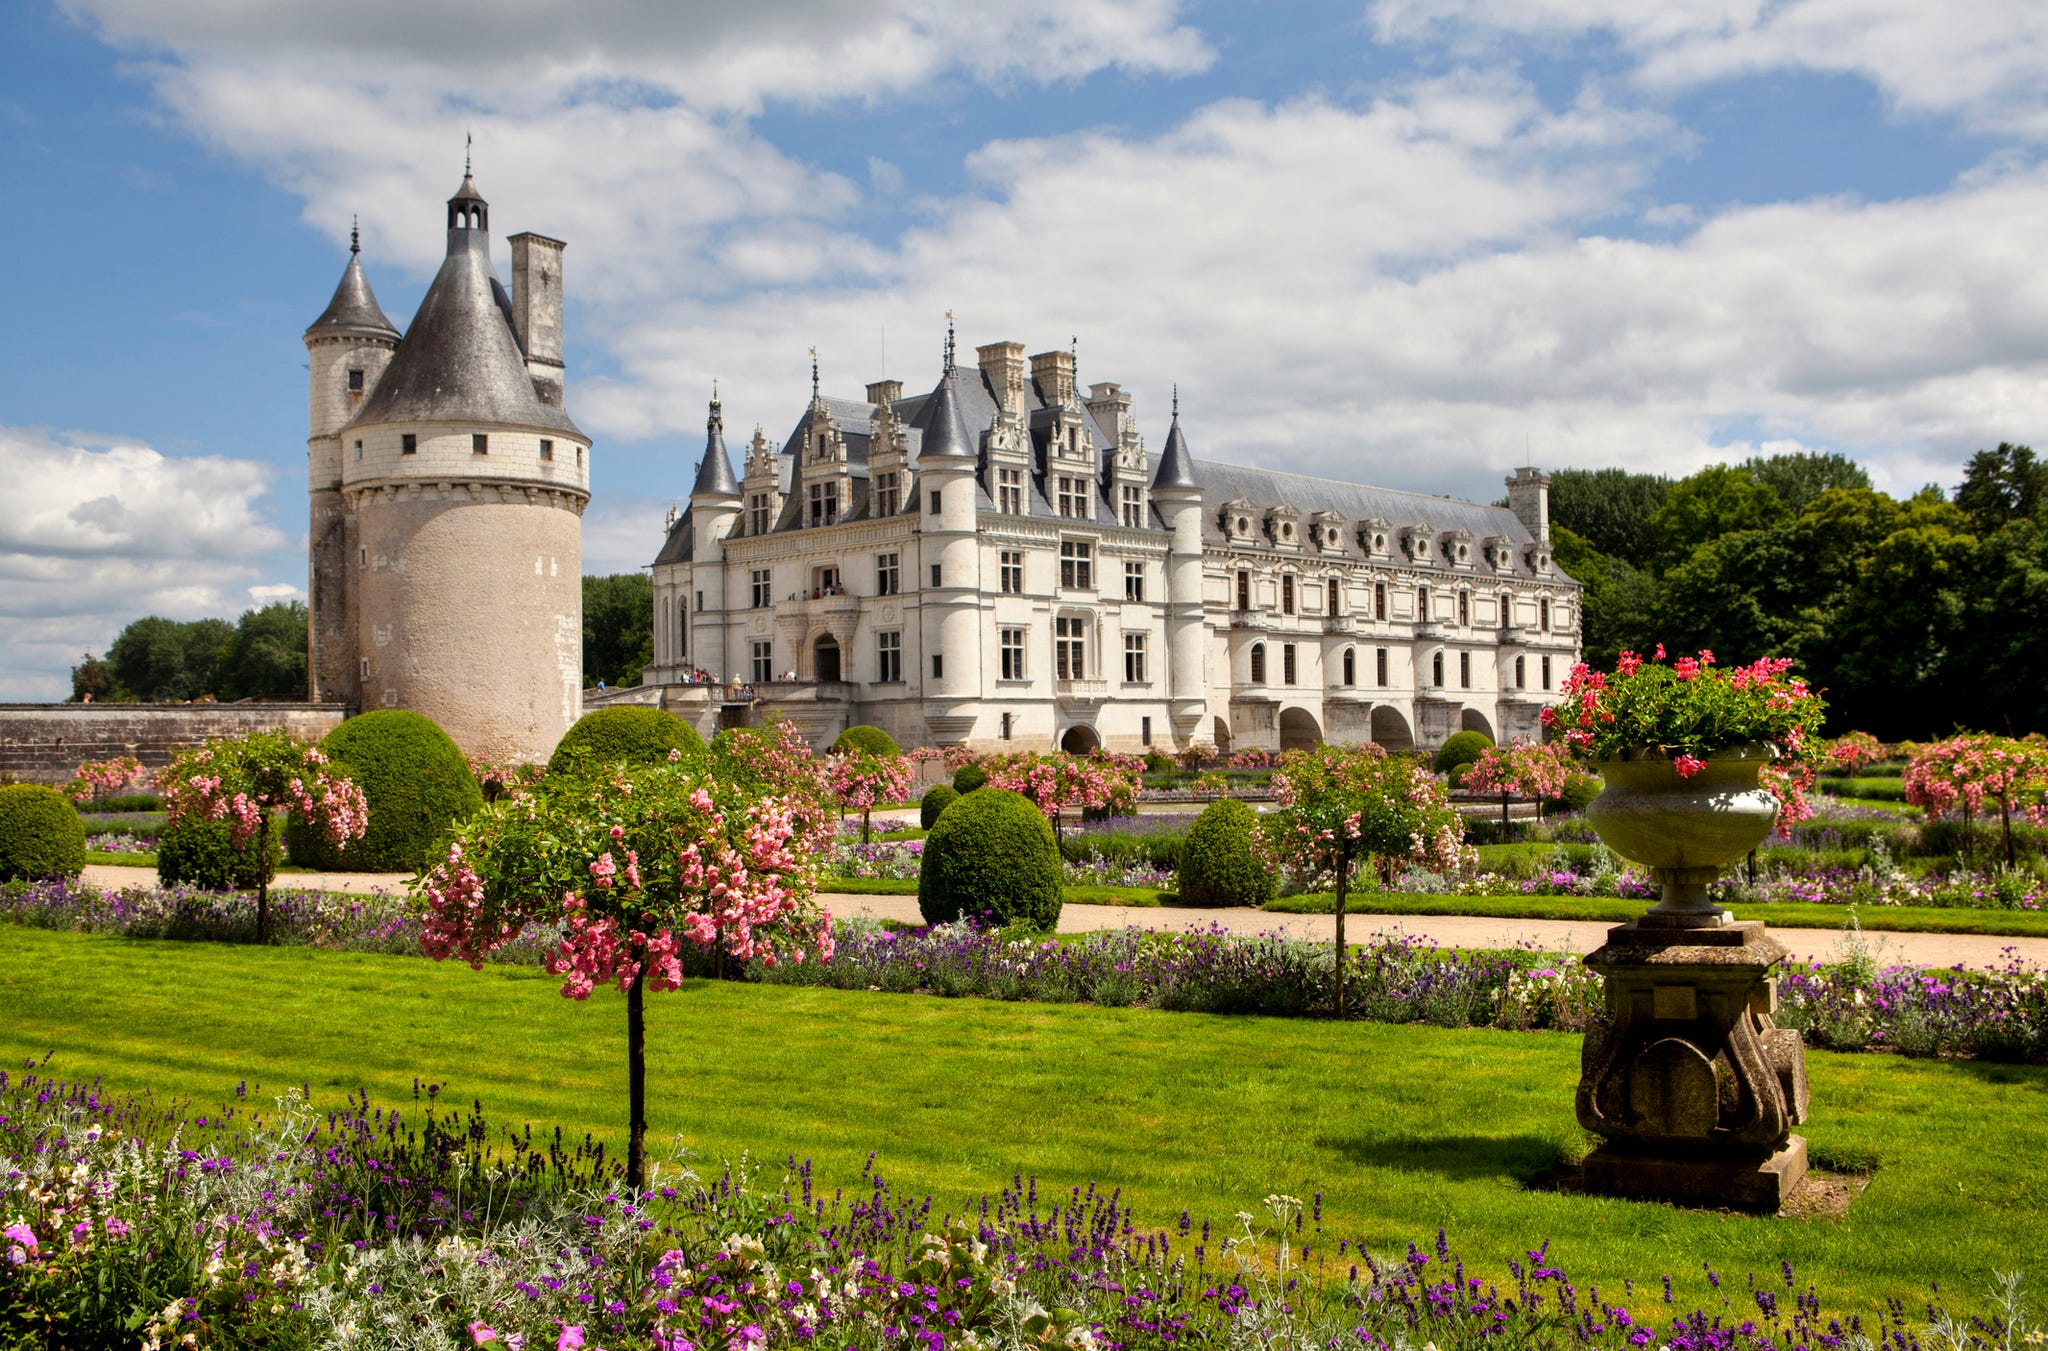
[[1521, 673], [1350, 663], [1258, 663], [1436, 670], [682, 628]]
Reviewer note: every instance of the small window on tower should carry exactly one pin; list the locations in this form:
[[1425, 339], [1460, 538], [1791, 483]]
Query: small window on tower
[[408, 444], [359, 450], [355, 382], [479, 444], [547, 449]]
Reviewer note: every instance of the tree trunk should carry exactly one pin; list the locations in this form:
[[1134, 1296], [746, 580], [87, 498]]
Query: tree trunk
[[263, 877], [2005, 824], [1343, 876], [864, 812], [636, 1081]]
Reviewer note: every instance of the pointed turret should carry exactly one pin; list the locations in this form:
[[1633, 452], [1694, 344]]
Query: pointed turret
[[714, 474], [1176, 464], [354, 309], [946, 434]]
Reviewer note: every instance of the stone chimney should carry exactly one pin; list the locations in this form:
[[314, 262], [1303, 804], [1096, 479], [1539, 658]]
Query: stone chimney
[[537, 310], [1111, 408], [1054, 373], [1529, 499], [885, 392], [1002, 365]]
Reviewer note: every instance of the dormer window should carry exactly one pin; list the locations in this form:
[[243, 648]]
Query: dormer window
[[1244, 525]]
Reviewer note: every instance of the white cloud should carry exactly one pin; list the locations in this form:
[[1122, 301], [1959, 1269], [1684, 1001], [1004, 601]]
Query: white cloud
[[100, 531], [1985, 61]]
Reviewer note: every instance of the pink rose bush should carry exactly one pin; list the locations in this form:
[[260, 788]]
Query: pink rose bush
[[1687, 711], [1521, 769], [1969, 773], [1060, 783], [1853, 750], [104, 778], [863, 780]]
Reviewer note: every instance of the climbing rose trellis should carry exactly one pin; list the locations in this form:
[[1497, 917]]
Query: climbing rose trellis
[[244, 779], [639, 865]]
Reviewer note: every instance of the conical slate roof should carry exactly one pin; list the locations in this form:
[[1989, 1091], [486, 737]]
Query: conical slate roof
[[944, 424], [459, 361], [714, 473], [1176, 465], [354, 308]]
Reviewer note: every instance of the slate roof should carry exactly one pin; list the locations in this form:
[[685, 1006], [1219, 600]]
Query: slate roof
[[354, 308], [459, 360], [714, 471], [1176, 464]]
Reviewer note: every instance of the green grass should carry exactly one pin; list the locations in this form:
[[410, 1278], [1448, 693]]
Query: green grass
[[1615, 909], [122, 860], [1073, 895], [1402, 1129]]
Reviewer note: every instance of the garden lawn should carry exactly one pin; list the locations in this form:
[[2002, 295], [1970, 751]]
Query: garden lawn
[[1402, 1129], [1620, 909], [1070, 895]]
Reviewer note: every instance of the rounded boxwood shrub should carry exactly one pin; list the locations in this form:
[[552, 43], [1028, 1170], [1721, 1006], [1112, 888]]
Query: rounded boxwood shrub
[[991, 858], [935, 800], [1580, 789], [1217, 866], [967, 778], [633, 733], [1459, 750], [862, 737], [416, 782], [196, 852], [40, 833]]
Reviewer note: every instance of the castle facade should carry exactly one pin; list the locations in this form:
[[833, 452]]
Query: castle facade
[[1001, 563], [447, 491]]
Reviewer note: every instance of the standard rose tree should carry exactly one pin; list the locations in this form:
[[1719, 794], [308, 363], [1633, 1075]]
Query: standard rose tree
[[245, 780], [1338, 807], [1062, 783], [863, 780], [636, 868], [1521, 769], [1971, 772]]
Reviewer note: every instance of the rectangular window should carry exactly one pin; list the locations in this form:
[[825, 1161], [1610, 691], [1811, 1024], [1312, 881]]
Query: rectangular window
[[579, 457], [408, 444], [1134, 659], [757, 514], [1379, 601], [1244, 591], [1010, 654], [763, 588], [1134, 581], [1464, 608], [1546, 673], [1145, 731], [1287, 593], [1009, 720], [479, 444], [888, 495], [1422, 605], [825, 502], [938, 667], [888, 576], [1379, 666], [359, 450], [682, 629], [1288, 672], [935, 575], [1336, 593], [1133, 506], [366, 668], [1543, 617], [764, 660], [1507, 610], [1077, 568], [889, 657], [824, 582], [1070, 648], [1012, 572], [355, 382], [1073, 495], [547, 449], [1010, 491], [1464, 670], [935, 504]]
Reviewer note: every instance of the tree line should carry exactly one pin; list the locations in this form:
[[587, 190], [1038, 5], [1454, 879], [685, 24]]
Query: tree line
[[1915, 616]]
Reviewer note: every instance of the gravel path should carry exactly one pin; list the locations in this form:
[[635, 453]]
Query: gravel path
[[1451, 931]]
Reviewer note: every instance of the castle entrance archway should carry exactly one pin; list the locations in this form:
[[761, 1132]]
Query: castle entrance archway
[[1079, 739], [1299, 729], [826, 651]]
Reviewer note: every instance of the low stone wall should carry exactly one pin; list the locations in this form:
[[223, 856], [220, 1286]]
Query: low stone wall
[[44, 743]]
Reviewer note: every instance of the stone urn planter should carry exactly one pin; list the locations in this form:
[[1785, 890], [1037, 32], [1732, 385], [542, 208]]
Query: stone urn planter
[[1691, 1085]]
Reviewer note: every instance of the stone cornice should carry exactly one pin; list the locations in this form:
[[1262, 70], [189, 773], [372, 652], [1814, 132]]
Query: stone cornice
[[512, 492]]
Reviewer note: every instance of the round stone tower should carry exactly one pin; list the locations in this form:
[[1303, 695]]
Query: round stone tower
[[461, 488]]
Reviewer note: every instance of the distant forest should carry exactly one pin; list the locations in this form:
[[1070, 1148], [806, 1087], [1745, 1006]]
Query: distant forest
[[1915, 617]]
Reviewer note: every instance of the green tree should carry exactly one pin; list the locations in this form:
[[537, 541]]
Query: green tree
[[1737, 595], [157, 659], [618, 627], [92, 681], [1610, 509], [1620, 598], [266, 657], [2004, 638], [2003, 485], [1888, 663], [1801, 476], [1712, 503]]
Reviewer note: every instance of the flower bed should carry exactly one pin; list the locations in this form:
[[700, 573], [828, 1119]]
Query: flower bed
[[369, 1227]]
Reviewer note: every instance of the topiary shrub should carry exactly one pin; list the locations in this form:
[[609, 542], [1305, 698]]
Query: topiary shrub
[[635, 734], [935, 800], [967, 778], [1580, 789], [416, 781], [991, 858], [40, 834], [1458, 751], [1217, 866], [862, 737], [196, 852]]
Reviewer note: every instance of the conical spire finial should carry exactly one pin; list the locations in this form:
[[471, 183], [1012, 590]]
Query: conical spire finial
[[355, 234], [948, 370], [468, 143], [814, 375], [1176, 401]]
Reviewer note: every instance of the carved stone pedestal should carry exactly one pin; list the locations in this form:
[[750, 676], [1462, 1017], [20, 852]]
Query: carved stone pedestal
[[1694, 1088]]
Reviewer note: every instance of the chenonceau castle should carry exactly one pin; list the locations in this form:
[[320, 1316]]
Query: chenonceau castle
[[999, 561]]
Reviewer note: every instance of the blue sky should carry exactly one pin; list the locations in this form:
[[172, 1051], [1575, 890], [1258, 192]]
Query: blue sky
[[1404, 241]]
